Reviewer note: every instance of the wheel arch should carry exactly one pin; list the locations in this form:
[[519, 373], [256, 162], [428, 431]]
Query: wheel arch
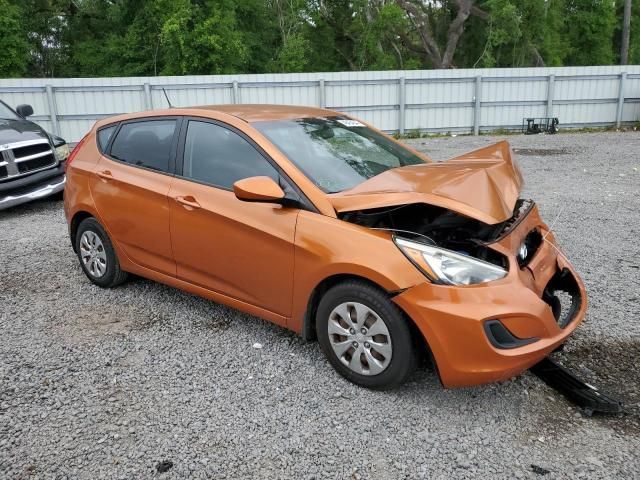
[[309, 323], [308, 333], [77, 218]]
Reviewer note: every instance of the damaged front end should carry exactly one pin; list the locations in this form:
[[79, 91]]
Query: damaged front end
[[462, 223], [492, 327], [483, 185], [459, 206], [437, 226]]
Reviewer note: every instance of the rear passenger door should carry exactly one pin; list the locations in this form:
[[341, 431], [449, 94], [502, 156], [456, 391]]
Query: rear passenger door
[[240, 249], [130, 186]]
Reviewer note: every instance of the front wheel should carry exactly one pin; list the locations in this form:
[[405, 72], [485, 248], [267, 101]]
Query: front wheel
[[365, 336]]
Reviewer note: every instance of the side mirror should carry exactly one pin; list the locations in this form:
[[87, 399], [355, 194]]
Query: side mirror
[[24, 110], [258, 189]]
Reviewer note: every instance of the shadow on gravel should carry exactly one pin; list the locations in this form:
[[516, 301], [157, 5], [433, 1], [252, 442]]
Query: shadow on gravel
[[34, 206], [543, 152], [610, 366]]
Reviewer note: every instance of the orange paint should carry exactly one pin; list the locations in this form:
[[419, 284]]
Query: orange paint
[[247, 248]]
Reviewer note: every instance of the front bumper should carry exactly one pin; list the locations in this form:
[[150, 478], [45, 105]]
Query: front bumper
[[33, 191], [453, 319]]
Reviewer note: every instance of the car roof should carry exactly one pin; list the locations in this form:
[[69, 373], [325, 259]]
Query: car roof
[[265, 112], [246, 112]]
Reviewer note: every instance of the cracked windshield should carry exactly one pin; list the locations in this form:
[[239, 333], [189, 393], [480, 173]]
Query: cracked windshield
[[336, 153]]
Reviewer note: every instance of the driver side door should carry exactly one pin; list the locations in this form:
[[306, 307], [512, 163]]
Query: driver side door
[[242, 250]]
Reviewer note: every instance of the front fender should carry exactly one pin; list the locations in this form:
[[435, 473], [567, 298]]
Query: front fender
[[326, 247]]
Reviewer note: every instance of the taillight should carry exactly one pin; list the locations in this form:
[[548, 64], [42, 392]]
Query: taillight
[[74, 152]]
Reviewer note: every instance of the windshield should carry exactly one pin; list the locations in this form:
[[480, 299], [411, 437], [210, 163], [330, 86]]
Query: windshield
[[6, 112], [336, 153]]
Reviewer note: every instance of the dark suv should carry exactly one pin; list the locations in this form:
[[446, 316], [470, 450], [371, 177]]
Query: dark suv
[[32, 161]]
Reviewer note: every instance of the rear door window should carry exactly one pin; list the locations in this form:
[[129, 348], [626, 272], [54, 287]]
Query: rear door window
[[146, 144]]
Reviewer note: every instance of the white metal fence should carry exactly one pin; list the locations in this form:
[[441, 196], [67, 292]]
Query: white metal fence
[[473, 100]]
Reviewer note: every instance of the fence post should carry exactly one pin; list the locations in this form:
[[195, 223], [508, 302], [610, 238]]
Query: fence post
[[148, 103], [550, 94], [321, 94], [623, 78], [235, 94], [476, 106], [53, 113], [401, 102]]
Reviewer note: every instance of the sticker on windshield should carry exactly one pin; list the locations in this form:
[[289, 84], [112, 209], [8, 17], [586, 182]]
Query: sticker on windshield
[[350, 123]]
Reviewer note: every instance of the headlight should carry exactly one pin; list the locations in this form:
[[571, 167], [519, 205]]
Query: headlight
[[445, 266], [62, 152]]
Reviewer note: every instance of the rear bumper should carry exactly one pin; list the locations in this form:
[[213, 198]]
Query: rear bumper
[[453, 320], [33, 191]]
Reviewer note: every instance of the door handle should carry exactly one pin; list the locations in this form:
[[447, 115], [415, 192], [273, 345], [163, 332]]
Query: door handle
[[105, 175], [188, 201]]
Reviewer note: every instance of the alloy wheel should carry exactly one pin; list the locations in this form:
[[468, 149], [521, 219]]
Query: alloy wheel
[[360, 338], [93, 254]]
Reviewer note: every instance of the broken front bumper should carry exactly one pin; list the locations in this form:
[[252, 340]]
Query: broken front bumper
[[465, 326], [38, 185]]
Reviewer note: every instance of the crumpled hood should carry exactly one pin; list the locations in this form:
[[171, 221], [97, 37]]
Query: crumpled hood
[[483, 184]]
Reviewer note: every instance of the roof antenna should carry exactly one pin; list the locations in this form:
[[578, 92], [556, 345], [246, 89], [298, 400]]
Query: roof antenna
[[167, 97]]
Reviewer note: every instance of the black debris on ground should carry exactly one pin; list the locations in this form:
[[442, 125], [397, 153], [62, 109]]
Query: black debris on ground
[[164, 466]]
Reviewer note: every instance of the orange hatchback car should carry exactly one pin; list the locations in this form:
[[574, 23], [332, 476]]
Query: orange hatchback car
[[322, 224]]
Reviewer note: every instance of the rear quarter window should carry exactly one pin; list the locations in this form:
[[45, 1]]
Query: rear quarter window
[[104, 135]]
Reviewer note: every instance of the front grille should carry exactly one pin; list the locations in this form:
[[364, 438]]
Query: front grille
[[36, 163], [22, 158], [29, 150]]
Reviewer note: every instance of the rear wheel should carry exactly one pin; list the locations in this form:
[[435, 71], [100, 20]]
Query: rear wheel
[[97, 256], [365, 336]]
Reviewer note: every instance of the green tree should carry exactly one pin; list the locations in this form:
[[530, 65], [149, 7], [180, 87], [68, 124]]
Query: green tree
[[291, 53], [435, 29], [589, 32], [156, 37], [376, 44], [43, 23], [260, 34], [14, 48], [514, 34], [634, 42], [176, 37], [202, 39], [97, 40], [292, 56], [357, 35]]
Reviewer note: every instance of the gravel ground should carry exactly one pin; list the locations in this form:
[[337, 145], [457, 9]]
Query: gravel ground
[[108, 383]]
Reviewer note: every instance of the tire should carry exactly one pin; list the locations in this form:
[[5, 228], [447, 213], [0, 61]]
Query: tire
[[97, 256], [385, 355]]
